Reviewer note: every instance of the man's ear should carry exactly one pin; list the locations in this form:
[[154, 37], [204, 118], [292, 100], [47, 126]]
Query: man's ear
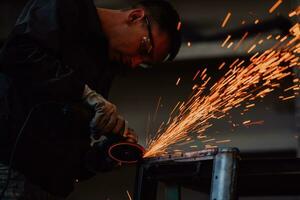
[[135, 15]]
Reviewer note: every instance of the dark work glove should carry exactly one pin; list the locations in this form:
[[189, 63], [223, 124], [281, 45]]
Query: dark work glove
[[106, 118], [130, 135]]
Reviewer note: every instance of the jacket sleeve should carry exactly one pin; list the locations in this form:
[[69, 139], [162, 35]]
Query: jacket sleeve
[[39, 73], [32, 56]]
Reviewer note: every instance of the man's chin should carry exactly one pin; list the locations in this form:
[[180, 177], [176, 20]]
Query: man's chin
[[118, 61], [119, 66]]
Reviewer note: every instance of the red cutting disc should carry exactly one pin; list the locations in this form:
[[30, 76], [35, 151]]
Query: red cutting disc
[[126, 152]]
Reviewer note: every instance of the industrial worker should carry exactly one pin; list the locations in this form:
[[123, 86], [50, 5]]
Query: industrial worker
[[62, 55]]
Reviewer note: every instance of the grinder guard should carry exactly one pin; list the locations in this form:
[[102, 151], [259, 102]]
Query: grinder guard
[[110, 151]]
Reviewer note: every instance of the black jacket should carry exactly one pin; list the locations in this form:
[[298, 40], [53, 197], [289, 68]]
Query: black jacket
[[55, 48]]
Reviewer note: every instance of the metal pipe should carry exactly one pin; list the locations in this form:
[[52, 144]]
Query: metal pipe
[[224, 176]]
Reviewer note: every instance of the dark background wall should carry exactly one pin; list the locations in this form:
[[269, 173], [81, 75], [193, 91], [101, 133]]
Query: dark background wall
[[136, 93]]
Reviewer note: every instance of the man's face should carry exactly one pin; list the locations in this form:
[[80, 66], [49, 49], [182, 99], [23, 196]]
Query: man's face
[[139, 41]]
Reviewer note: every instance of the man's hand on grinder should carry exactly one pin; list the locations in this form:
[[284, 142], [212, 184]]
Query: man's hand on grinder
[[106, 118], [130, 135]]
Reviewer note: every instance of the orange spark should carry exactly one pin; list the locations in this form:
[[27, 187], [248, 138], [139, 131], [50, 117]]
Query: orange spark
[[284, 38], [201, 136], [277, 37], [269, 37], [156, 110], [287, 98], [231, 43], [178, 80], [209, 140], [255, 123], [234, 62], [246, 122], [253, 46], [254, 56], [290, 88], [195, 87], [240, 63], [179, 26], [221, 66], [223, 141], [241, 40], [260, 41], [250, 105], [275, 6], [295, 12], [128, 195], [208, 146], [226, 40], [203, 72], [175, 107], [226, 19], [197, 73]]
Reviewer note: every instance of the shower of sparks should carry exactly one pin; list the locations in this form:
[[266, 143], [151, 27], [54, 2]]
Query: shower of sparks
[[275, 6], [226, 19], [243, 83]]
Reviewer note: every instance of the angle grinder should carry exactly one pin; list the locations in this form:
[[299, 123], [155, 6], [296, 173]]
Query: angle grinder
[[107, 150], [111, 150]]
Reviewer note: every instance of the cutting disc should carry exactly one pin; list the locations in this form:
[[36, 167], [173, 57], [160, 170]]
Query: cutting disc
[[126, 152]]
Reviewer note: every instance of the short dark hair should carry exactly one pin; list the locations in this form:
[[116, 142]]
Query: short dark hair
[[168, 20]]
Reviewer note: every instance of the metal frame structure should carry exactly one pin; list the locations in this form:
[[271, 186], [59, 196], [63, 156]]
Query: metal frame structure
[[175, 170]]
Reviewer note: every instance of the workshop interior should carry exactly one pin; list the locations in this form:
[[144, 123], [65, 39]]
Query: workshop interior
[[221, 121]]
